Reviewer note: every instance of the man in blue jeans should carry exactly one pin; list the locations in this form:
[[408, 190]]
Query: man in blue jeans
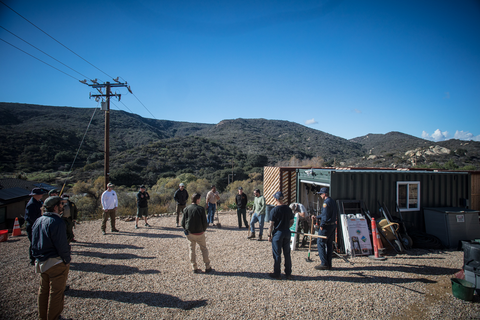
[[211, 204], [258, 215], [279, 236], [328, 224]]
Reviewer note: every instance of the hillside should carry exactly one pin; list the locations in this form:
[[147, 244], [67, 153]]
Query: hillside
[[45, 138]]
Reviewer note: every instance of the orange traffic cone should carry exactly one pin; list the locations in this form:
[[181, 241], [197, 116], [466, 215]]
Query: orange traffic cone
[[16, 229]]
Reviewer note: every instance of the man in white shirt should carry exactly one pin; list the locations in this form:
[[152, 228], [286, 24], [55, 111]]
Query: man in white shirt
[[109, 204]]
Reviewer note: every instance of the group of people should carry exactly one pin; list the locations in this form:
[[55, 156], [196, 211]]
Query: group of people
[[51, 232]]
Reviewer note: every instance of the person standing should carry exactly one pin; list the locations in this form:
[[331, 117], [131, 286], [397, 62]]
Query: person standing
[[241, 200], [69, 216], [328, 224], [303, 221], [194, 224], [109, 205], [258, 215], [279, 235], [142, 206], [33, 211], [181, 198], [52, 253], [211, 202]]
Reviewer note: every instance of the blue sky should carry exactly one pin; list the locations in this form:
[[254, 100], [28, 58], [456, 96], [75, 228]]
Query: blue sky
[[347, 68]]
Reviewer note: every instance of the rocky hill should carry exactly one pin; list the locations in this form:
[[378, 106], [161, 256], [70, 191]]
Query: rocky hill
[[46, 138]]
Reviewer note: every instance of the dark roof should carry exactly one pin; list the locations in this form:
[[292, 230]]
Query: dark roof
[[12, 193], [24, 184]]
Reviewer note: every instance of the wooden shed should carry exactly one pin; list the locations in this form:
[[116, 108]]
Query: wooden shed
[[280, 179]]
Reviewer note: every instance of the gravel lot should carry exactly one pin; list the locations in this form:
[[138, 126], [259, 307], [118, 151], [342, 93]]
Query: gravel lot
[[145, 274]]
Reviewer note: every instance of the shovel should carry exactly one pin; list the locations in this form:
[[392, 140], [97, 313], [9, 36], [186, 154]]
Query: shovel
[[310, 244]]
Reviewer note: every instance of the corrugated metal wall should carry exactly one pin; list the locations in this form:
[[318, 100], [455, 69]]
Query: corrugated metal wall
[[437, 189], [475, 201]]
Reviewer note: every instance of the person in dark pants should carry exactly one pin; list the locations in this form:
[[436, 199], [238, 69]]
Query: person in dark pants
[[142, 205], [33, 211], [181, 198], [52, 253], [328, 224], [70, 213], [241, 200], [279, 235]]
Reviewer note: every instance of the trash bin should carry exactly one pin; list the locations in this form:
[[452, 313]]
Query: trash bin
[[452, 225]]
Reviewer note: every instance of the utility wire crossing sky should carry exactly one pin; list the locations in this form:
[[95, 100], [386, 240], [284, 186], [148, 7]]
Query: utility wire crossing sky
[[348, 68]]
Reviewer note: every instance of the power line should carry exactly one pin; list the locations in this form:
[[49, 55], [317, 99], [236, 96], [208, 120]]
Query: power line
[[81, 143], [39, 59], [57, 40], [45, 53]]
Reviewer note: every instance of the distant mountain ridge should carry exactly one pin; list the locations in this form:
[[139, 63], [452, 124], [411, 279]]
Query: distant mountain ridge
[[39, 138]]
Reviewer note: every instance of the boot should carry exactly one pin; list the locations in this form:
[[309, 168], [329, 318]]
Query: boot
[[251, 236], [259, 238]]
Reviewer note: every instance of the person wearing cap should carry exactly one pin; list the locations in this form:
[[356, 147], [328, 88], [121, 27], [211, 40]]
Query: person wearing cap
[[109, 204], [181, 198], [279, 235], [211, 203], [142, 205], [241, 200], [195, 224], [328, 224], [69, 215], [33, 211], [52, 258], [258, 215], [303, 220]]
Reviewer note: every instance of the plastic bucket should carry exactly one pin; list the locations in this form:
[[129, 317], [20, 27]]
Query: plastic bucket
[[462, 289], [3, 235]]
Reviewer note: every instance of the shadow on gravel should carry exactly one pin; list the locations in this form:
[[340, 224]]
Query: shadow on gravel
[[152, 299], [105, 245], [108, 269], [426, 270], [153, 235], [114, 256]]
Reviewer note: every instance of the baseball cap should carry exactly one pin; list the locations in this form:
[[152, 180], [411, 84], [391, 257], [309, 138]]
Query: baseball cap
[[110, 184], [37, 192], [240, 188], [278, 195], [52, 201], [142, 187], [53, 191], [323, 190], [181, 185]]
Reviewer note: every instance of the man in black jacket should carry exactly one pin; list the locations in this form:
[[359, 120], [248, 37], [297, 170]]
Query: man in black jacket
[[142, 206], [194, 222], [51, 250], [181, 198], [241, 200], [33, 211]]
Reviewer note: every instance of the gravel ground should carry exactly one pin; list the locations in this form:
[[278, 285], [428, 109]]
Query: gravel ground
[[145, 274]]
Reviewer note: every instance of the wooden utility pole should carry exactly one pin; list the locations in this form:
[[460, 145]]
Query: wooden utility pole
[[106, 108]]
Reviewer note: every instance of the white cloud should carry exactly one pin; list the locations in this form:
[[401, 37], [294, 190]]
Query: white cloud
[[465, 135], [311, 121], [438, 135], [357, 111]]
